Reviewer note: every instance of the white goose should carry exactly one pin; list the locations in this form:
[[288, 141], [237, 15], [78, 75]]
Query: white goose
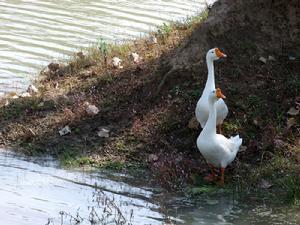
[[202, 104], [218, 150]]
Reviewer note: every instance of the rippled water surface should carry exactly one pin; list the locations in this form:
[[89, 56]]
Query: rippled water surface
[[31, 193], [33, 32]]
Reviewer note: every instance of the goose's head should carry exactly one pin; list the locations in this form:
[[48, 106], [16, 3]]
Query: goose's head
[[214, 54], [215, 95]]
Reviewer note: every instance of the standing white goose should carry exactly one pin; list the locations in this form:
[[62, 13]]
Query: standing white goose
[[218, 150], [202, 104]]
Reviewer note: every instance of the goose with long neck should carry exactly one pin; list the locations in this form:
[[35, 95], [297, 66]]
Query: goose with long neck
[[202, 108], [218, 150]]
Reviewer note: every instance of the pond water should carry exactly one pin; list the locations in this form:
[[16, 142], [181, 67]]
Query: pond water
[[36, 191], [34, 32]]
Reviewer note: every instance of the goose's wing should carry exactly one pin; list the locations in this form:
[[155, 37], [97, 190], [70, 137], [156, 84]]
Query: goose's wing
[[225, 143]]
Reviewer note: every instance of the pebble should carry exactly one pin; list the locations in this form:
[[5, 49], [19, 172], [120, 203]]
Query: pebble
[[116, 62], [91, 109], [64, 131], [104, 132], [263, 59], [32, 89]]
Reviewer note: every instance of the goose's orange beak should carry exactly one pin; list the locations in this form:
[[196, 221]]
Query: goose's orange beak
[[220, 54], [219, 93]]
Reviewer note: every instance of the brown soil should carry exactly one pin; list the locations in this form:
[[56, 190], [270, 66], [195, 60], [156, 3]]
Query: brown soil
[[148, 106]]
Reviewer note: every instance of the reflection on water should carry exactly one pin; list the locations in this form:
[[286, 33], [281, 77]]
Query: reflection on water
[[33, 32], [31, 193]]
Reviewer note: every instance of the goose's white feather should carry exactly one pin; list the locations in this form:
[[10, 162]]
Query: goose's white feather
[[202, 109], [216, 148]]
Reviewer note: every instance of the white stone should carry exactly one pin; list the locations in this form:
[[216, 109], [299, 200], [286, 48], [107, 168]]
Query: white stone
[[32, 89], [263, 59], [152, 158], [271, 58], [14, 96], [264, 184], [136, 58], [104, 132], [64, 131], [91, 109], [116, 62], [293, 111], [24, 95], [153, 39], [292, 58]]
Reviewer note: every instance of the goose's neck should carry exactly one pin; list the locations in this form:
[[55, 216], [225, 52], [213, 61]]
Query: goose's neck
[[210, 83], [210, 126]]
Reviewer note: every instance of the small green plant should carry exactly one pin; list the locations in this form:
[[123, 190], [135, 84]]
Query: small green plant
[[232, 127], [114, 165], [253, 100], [191, 21], [103, 48], [165, 30]]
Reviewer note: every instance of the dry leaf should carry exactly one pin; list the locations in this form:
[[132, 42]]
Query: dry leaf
[[193, 123], [291, 122]]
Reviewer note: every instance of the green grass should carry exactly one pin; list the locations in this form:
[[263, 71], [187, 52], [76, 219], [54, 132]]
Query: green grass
[[281, 172], [103, 47], [21, 106]]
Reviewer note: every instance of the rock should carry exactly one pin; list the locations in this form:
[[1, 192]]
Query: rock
[[290, 122], [271, 58], [264, 184], [103, 132], [243, 148], [136, 58], [32, 89], [255, 122], [279, 143], [58, 69], [293, 111], [24, 95], [292, 58], [116, 62], [14, 96], [152, 158], [53, 67], [80, 55], [41, 104], [64, 131], [193, 123], [212, 201], [153, 39], [91, 110], [263, 59]]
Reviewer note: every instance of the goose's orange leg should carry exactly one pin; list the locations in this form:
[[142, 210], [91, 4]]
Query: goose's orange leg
[[211, 177], [222, 176]]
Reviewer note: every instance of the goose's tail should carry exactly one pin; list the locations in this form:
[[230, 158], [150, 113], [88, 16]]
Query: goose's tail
[[237, 143]]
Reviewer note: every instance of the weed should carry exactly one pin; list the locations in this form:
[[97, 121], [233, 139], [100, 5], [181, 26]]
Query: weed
[[253, 100], [104, 49], [169, 122], [231, 126], [164, 31], [114, 165]]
